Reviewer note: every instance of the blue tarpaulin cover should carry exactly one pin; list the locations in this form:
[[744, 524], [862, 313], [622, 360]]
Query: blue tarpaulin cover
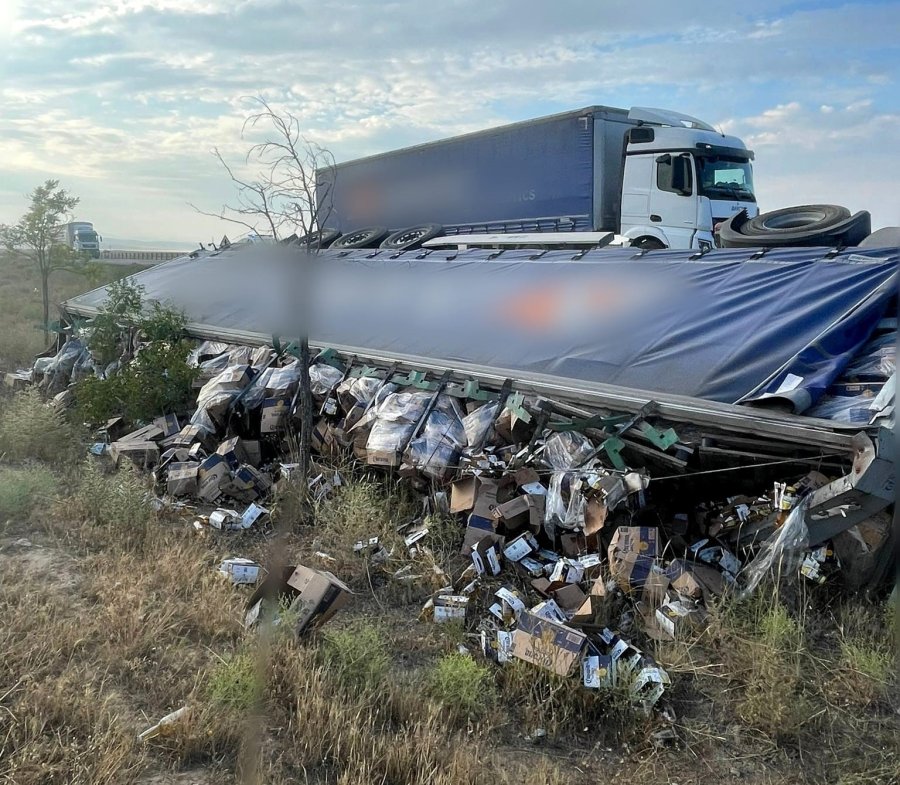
[[725, 327]]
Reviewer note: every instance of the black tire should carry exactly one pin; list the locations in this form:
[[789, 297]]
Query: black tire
[[804, 225], [648, 244], [411, 237], [317, 240], [361, 238]]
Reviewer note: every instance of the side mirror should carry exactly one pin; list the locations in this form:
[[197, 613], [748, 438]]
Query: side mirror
[[664, 159]]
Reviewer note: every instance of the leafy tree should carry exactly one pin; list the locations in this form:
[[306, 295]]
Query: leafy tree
[[157, 379], [35, 236]]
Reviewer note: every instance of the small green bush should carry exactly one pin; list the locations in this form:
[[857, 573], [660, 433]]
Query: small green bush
[[32, 430], [358, 656], [110, 501], [157, 380], [462, 685], [234, 682], [23, 489]]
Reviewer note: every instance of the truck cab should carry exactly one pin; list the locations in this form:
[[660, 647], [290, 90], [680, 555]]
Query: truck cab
[[681, 178]]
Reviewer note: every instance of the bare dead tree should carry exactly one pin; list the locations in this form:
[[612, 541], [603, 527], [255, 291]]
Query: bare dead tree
[[291, 190]]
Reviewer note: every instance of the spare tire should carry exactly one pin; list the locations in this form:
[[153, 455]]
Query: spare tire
[[805, 225], [318, 239], [411, 237], [361, 238]]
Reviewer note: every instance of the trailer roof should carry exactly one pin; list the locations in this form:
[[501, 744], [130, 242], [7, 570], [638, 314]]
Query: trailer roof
[[491, 131]]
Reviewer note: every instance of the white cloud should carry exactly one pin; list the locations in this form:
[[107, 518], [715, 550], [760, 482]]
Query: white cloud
[[138, 92]]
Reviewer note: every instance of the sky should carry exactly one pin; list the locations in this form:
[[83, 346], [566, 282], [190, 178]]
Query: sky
[[123, 101]]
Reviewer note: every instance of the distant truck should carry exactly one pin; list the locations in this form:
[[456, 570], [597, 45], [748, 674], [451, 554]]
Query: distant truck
[[660, 178], [80, 236]]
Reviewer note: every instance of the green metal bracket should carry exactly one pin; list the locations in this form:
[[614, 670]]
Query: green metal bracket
[[662, 440], [515, 404], [597, 421], [417, 379], [330, 357], [613, 447], [368, 371]]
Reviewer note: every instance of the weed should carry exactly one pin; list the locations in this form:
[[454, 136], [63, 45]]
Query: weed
[[358, 656], [463, 686], [24, 489], [234, 682], [32, 430]]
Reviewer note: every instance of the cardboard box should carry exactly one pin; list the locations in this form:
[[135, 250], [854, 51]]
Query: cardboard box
[[247, 484], [212, 475], [486, 554], [477, 528], [149, 433], [549, 610], [675, 618], [596, 671], [635, 539], [232, 450], [519, 512], [632, 553], [190, 434], [547, 644], [520, 547], [252, 514], [569, 598], [592, 605], [225, 520], [450, 607], [274, 415], [566, 571], [655, 586], [479, 494], [240, 571], [182, 479], [319, 596], [143, 454], [387, 458], [168, 424], [695, 580]]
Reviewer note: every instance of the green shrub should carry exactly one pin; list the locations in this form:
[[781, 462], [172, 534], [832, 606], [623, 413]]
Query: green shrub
[[32, 430], [23, 489], [462, 685], [234, 682], [158, 379], [357, 655]]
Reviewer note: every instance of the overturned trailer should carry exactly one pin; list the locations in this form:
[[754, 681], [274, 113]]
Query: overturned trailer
[[684, 362]]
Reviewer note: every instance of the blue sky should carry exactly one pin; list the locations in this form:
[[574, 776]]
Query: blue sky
[[123, 100]]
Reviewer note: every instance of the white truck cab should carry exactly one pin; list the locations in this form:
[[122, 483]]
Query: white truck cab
[[681, 178]]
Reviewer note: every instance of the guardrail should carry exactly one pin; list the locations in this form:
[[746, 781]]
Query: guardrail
[[142, 256]]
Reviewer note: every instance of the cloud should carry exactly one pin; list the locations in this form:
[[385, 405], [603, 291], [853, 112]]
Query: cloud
[[138, 92]]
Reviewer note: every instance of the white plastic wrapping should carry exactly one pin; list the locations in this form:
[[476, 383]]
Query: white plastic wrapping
[[323, 378], [443, 437], [478, 424], [395, 418], [782, 552], [566, 450], [216, 395], [855, 409], [565, 501]]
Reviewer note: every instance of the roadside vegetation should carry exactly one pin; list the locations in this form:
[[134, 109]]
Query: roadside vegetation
[[115, 616]]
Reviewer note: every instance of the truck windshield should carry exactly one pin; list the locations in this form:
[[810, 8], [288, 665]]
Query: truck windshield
[[726, 178]]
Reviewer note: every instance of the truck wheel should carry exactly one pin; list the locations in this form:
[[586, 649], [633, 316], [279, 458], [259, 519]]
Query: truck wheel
[[413, 237], [804, 225], [319, 239], [648, 244], [361, 238]]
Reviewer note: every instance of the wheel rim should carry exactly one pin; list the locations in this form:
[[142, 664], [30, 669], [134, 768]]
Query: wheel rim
[[798, 220]]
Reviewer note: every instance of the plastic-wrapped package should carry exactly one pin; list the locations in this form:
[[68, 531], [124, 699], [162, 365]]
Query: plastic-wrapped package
[[258, 390], [854, 409], [208, 350], [436, 450], [283, 381], [566, 450], [479, 424], [215, 365], [357, 391], [84, 366], [877, 359], [565, 501], [395, 419], [217, 394], [261, 355], [323, 378], [783, 551]]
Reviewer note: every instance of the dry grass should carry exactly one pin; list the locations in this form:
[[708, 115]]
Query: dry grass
[[30, 429], [20, 303]]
